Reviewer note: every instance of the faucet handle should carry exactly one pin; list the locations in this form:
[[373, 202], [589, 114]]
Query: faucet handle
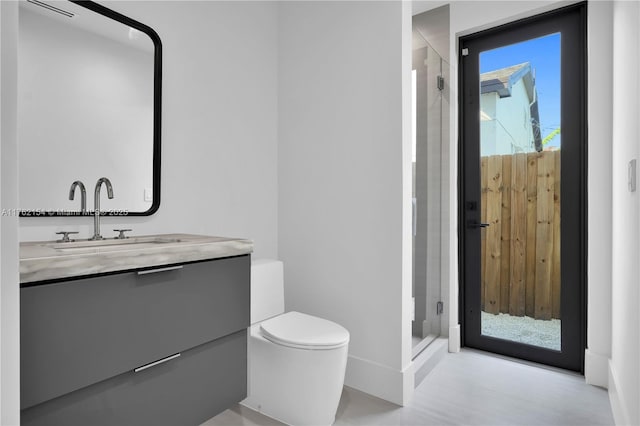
[[65, 236], [121, 236]]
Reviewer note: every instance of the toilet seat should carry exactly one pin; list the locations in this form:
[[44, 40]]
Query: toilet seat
[[302, 331]]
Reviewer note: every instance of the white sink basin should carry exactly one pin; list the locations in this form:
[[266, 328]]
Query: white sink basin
[[114, 243]]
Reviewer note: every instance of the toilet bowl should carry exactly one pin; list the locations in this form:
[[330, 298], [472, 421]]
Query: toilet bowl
[[296, 361]]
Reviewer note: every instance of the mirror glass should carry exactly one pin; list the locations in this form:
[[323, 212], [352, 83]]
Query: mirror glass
[[88, 107]]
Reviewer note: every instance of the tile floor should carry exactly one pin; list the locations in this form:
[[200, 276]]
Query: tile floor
[[470, 388]]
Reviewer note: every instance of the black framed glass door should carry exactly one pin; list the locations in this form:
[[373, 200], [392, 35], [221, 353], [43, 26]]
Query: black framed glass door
[[522, 216]]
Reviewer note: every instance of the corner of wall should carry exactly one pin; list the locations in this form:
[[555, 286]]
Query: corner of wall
[[9, 260], [315, 174], [618, 407], [408, 384], [600, 173], [379, 380], [454, 338]]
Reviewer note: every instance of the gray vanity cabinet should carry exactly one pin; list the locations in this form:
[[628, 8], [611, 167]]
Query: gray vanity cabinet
[[83, 340]]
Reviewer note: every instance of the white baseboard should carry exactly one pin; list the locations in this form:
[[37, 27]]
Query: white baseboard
[[379, 380], [429, 358], [454, 338], [596, 369], [620, 411]]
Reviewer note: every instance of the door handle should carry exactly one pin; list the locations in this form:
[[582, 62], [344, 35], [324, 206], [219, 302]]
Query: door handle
[[474, 224]]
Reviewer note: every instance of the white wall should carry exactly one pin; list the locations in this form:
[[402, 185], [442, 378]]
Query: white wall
[[219, 127], [600, 118], [345, 179], [9, 292], [625, 354], [433, 26]]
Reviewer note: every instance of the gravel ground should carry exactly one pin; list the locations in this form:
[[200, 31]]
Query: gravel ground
[[545, 333]]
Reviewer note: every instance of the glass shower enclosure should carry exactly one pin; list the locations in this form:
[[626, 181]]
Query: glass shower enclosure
[[427, 100]]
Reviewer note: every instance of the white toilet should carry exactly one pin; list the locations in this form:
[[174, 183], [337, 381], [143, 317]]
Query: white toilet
[[296, 361]]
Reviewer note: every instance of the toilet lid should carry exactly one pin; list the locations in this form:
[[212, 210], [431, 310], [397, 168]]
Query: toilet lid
[[303, 331]]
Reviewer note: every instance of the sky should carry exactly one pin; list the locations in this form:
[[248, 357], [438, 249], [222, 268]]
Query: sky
[[544, 55]]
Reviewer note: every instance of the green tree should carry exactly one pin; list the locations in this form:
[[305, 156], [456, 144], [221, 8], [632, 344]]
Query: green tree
[[550, 136]]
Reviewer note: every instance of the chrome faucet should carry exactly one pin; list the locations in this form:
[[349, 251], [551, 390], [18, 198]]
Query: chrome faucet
[[83, 195], [96, 209]]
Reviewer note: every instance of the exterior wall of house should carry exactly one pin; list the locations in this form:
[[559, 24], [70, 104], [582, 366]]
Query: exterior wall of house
[[507, 130], [488, 123]]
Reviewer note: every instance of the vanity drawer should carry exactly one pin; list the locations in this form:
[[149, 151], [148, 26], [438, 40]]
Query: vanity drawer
[[187, 390], [76, 333]]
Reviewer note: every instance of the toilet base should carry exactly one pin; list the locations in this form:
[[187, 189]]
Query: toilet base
[[294, 386]]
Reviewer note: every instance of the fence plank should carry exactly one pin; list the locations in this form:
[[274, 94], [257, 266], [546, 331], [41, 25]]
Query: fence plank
[[555, 271], [518, 235], [532, 195], [493, 232], [521, 265], [544, 237], [484, 187], [505, 249]]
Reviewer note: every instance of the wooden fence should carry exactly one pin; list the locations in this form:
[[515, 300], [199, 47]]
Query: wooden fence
[[521, 248]]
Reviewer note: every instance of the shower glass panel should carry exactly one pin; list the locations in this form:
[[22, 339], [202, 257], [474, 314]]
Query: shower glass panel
[[427, 104]]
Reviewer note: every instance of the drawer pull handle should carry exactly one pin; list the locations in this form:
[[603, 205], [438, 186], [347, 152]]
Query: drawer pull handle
[[154, 363], [153, 271]]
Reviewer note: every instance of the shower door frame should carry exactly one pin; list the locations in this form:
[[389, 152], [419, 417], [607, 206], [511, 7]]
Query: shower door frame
[[428, 186]]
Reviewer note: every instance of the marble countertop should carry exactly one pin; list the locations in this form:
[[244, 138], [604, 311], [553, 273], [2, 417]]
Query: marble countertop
[[48, 260]]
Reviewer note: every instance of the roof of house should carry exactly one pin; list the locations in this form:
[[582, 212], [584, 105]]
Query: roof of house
[[501, 81]]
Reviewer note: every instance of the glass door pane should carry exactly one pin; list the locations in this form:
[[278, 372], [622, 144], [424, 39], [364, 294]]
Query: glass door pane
[[520, 146]]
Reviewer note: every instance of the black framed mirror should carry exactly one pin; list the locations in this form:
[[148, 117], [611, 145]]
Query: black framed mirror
[[89, 106]]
